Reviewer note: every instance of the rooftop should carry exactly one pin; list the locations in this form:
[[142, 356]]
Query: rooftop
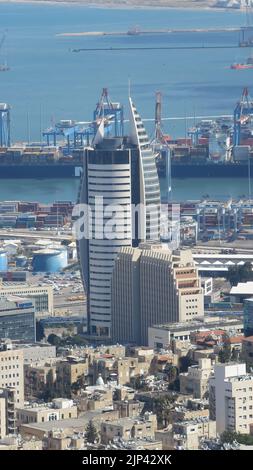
[[243, 288]]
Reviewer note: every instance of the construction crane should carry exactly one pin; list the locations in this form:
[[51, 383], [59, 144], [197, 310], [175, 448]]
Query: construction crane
[[3, 67]]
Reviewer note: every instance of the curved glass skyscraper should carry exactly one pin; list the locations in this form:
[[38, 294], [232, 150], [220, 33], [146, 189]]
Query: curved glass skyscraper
[[121, 193]]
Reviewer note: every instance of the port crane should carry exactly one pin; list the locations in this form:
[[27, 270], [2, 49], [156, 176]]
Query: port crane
[[74, 134], [242, 114], [3, 67]]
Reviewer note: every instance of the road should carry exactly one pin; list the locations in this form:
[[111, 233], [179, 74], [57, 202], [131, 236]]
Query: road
[[16, 233]]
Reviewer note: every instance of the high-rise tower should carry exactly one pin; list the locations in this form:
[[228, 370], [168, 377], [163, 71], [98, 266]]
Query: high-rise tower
[[120, 186]]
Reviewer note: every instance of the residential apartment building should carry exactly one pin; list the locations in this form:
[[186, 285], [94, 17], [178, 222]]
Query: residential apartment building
[[231, 398], [2, 416], [58, 409], [7, 412], [69, 372], [129, 428], [12, 373], [196, 380]]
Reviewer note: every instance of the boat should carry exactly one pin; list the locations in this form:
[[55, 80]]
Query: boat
[[241, 66], [4, 68]]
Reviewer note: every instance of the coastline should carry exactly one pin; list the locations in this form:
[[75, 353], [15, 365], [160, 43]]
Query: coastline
[[149, 5]]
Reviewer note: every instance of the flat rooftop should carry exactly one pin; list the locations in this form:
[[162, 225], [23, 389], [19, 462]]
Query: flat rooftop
[[243, 288], [199, 325]]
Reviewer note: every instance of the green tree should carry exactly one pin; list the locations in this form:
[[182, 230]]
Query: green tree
[[54, 340], [80, 384], [162, 407], [225, 353], [238, 274], [228, 436], [171, 372], [231, 436], [184, 363], [91, 433]]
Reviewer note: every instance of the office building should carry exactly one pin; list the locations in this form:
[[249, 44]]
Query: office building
[[17, 319], [42, 296], [231, 398], [151, 285], [122, 171]]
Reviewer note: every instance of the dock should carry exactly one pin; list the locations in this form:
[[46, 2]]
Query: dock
[[138, 32]]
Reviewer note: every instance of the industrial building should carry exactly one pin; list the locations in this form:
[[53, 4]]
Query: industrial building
[[50, 260], [122, 170], [3, 261], [241, 292], [151, 285], [218, 264]]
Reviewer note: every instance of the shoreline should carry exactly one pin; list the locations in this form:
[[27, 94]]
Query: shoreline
[[115, 6]]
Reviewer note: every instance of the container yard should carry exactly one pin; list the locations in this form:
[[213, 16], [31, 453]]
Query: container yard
[[217, 147]]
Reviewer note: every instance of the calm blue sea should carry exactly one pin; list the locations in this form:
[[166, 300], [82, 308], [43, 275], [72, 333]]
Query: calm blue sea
[[49, 82], [46, 76]]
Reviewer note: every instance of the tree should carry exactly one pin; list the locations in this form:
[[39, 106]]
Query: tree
[[235, 355], [80, 384], [229, 437], [225, 353], [91, 433], [54, 340], [238, 274], [184, 363], [171, 372], [162, 407]]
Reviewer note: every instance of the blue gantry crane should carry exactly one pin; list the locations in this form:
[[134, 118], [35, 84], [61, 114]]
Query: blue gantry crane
[[5, 139], [72, 134]]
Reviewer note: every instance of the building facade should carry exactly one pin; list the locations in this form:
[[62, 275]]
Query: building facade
[[248, 317], [42, 296], [119, 173], [12, 373], [196, 380], [17, 319], [231, 398], [151, 285]]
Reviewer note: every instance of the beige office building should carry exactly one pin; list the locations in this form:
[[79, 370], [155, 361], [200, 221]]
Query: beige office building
[[152, 285]]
